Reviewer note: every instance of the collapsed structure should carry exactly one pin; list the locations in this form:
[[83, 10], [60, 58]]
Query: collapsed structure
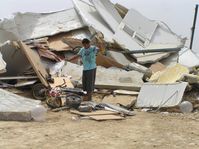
[[137, 50]]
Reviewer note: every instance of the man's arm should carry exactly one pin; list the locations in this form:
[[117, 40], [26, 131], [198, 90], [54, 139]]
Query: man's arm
[[73, 58], [101, 46]]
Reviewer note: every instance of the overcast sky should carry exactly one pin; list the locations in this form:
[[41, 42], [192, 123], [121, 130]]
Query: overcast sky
[[178, 14]]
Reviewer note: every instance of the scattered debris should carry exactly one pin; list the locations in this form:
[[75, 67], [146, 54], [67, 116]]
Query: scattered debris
[[34, 48], [122, 100]]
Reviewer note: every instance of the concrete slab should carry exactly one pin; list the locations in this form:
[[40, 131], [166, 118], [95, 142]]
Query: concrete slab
[[16, 108], [161, 95], [119, 57], [149, 58], [111, 78]]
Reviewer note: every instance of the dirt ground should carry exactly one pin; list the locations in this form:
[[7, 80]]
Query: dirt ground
[[144, 131]]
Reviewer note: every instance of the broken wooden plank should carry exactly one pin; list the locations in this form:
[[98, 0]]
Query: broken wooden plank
[[106, 117], [98, 112], [125, 92], [56, 43], [18, 77], [36, 63]]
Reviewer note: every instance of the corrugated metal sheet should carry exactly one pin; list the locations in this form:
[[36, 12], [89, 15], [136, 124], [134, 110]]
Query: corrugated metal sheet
[[93, 19], [108, 12], [161, 95], [35, 25]]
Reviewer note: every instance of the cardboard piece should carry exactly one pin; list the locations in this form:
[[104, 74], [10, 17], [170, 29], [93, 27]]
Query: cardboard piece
[[55, 42], [157, 67], [58, 81], [36, 63]]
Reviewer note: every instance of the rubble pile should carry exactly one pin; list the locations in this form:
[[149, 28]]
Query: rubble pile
[[141, 58]]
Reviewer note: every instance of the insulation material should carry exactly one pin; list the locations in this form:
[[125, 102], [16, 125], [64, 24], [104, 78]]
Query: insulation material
[[161, 95], [170, 74]]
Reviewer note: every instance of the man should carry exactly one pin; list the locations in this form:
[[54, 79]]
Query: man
[[88, 54]]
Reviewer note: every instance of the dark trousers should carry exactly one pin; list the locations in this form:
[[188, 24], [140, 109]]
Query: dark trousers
[[88, 80]]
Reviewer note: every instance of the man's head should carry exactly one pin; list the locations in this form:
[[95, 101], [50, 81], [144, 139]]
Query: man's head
[[86, 43]]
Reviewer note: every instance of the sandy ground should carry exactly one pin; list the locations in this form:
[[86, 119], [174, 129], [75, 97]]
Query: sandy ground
[[144, 131]]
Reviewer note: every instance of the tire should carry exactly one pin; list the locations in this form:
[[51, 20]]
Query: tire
[[39, 92]]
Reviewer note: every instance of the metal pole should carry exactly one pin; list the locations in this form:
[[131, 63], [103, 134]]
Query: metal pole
[[152, 50], [194, 26]]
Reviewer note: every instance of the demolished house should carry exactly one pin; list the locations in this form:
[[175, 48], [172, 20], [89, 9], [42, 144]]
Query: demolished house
[[138, 54]]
